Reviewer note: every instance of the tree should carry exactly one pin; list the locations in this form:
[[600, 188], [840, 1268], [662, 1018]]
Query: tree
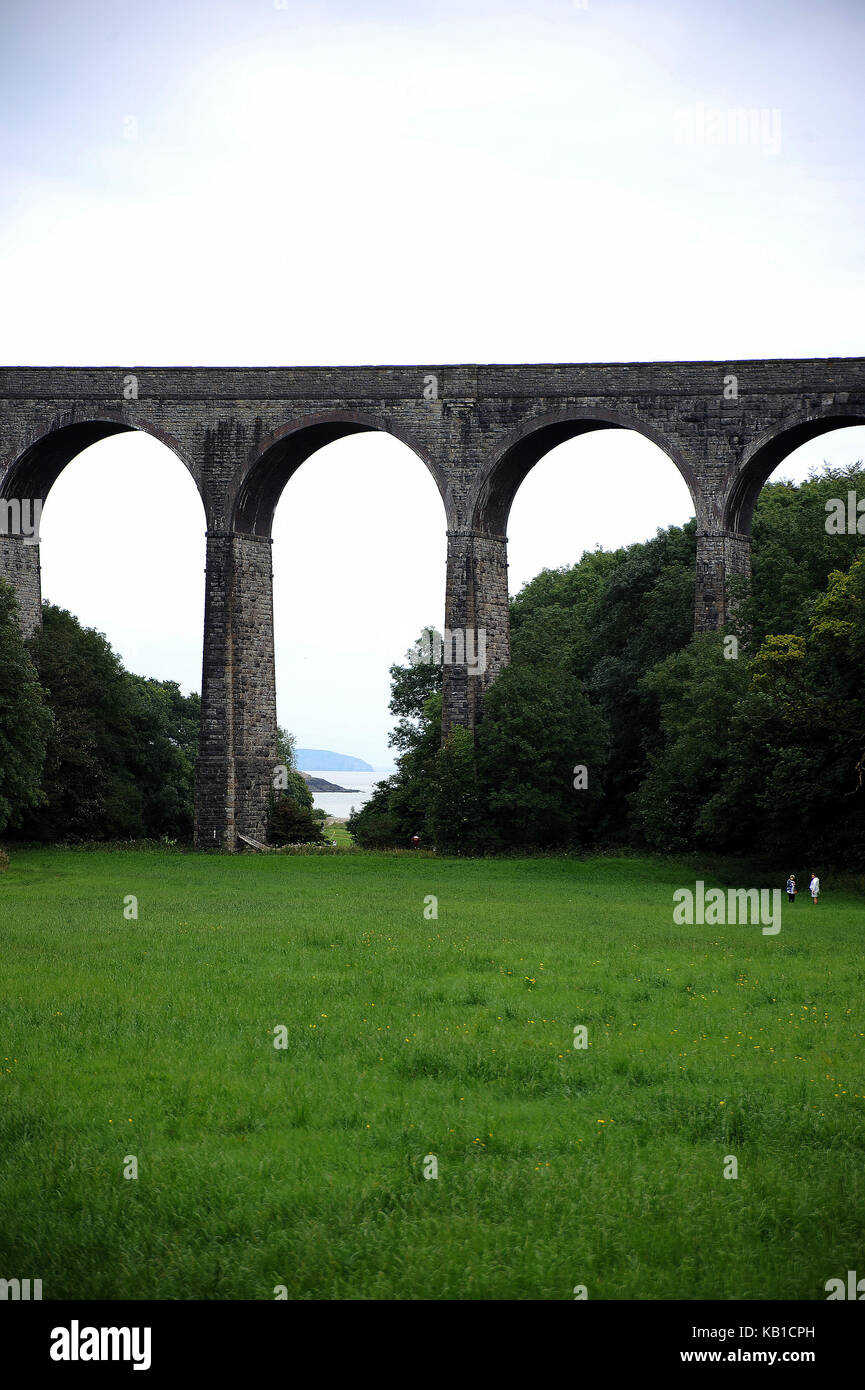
[[286, 745], [792, 554], [291, 822], [696, 692], [292, 819], [685, 749], [89, 790], [399, 806], [412, 687], [454, 816], [374, 825], [538, 728], [25, 719], [120, 755]]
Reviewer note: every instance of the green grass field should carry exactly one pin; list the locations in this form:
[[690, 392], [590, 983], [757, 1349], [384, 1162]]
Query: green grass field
[[340, 834], [410, 1037]]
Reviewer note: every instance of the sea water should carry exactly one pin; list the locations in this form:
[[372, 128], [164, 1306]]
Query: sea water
[[340, 804]]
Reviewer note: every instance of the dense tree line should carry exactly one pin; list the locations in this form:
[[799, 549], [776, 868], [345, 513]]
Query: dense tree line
[[89, 751], [25, 720], [689, 743]]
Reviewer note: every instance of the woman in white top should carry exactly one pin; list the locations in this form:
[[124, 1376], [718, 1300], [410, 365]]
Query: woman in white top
[[814, 887]]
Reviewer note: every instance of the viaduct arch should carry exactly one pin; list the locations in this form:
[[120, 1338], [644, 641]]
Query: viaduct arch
[[242, 432]]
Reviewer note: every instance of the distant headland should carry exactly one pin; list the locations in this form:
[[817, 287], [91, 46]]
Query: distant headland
[[318, 784], [322, 760]]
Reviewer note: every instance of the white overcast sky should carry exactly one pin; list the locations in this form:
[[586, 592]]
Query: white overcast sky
[[409, 182]]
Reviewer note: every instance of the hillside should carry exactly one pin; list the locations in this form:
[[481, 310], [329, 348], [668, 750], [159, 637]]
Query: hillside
[[322, 760]]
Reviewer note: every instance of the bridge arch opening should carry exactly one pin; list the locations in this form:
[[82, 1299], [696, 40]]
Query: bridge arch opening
[[364, 493], [502, 481], [125, 499], [281, 456], [36, 470], [790, 453], [575, 485], [778, 580]]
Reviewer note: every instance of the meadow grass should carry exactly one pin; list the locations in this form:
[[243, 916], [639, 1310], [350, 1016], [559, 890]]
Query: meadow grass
[[337, 831], [411, 1036]]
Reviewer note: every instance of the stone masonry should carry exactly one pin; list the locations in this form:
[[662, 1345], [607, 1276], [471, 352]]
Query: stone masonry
[[242, 433]]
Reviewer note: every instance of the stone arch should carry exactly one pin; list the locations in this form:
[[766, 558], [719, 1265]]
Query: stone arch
[[239, 702], [501, 476], [763, 456], [30, 474], [277, 458], [36, 469]]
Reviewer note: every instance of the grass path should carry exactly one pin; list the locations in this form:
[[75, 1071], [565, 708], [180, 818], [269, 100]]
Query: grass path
[[409, 1037]]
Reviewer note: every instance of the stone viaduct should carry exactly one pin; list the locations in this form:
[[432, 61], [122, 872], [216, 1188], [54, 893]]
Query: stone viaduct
[[242, 433]]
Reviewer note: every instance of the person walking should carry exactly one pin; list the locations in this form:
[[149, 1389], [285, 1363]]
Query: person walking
[[814, 887], [792, 890]]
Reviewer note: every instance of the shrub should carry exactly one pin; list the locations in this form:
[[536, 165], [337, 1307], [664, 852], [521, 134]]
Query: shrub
[[292, 823]]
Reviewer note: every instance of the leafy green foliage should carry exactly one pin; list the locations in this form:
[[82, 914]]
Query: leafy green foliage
[[412, 687], [286, 744], [400, 806], [538, 727], [687, 746], [768, 752], [696, 691], [374, 825], [291, 820], [454, 816], [793, 554], [120, 755], [25, 720]]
